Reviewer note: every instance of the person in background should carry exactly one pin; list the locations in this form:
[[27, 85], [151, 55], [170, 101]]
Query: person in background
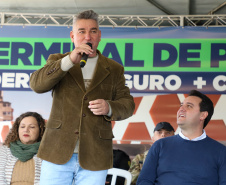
[[19, 164], [77, 144], [122, 161], [191, 157], [162, 129]]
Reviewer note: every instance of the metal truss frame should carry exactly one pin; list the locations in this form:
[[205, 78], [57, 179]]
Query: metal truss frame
[[137, 21]]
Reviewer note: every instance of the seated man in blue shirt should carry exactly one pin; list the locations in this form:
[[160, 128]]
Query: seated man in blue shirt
[[190, 158]]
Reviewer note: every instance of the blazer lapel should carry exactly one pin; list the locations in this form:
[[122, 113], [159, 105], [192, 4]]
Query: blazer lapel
[[76, 74], [100, 74]]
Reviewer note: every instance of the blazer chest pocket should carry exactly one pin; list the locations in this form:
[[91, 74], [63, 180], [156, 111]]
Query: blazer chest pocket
[[53, 124], [106, 92]]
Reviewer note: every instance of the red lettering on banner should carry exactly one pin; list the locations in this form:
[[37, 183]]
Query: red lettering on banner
[[136, 131], [137, 101], [165, 108], [216, 129], [5, 131], [160, 108]]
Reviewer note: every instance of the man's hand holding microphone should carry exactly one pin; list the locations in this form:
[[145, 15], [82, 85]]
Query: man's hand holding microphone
[[81, 53]]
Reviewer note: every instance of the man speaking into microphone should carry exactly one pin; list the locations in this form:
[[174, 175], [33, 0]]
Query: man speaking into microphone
[[77, 143]]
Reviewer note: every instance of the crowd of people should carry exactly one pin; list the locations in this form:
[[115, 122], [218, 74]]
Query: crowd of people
[[74, 146]]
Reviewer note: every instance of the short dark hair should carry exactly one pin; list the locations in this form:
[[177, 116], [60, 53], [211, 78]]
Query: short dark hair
[[205, 105], [164, 125], [87, 14]]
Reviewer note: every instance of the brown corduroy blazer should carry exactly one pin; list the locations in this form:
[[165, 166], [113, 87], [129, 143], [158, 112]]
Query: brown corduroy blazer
[[70, 118]]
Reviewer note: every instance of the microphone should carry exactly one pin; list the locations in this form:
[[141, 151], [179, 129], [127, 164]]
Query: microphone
[[84, 57]]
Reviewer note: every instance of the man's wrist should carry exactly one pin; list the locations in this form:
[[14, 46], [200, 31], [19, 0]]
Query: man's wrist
[[66, 63]]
